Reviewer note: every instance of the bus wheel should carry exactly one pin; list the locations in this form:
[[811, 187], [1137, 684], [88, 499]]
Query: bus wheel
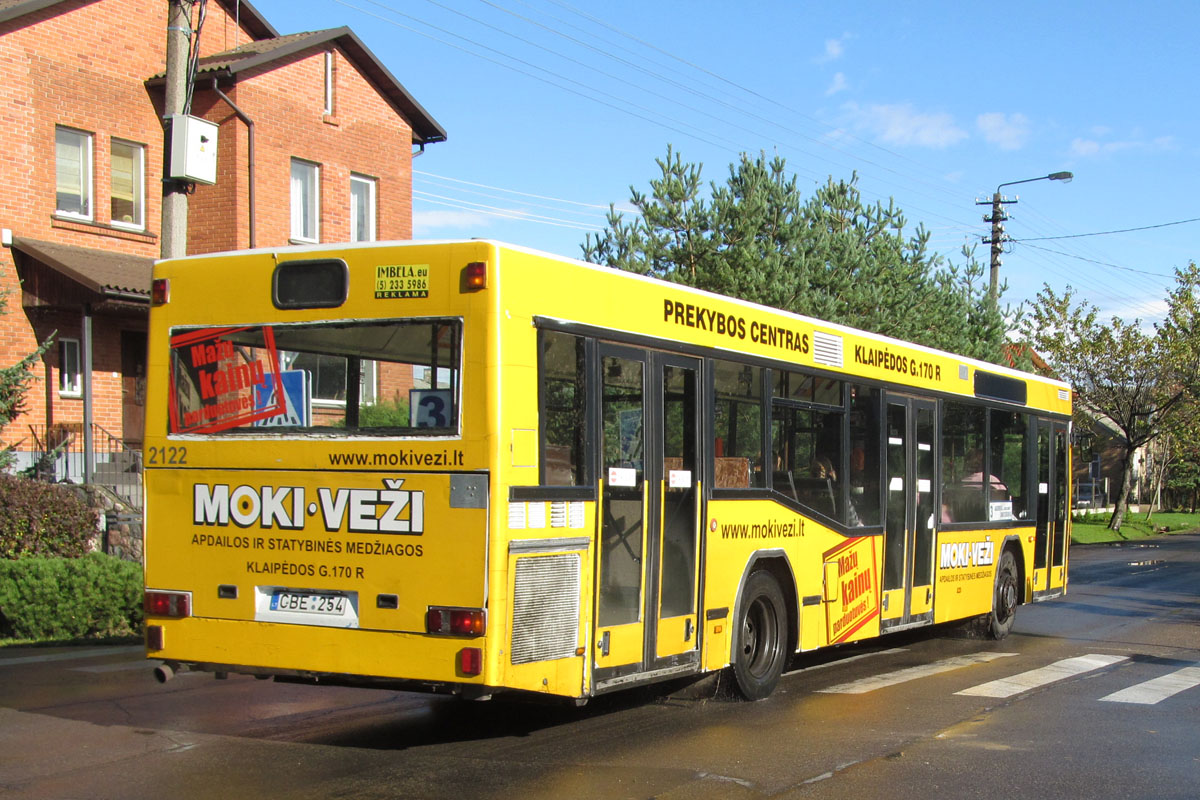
[[760, 644], [1004, 598]]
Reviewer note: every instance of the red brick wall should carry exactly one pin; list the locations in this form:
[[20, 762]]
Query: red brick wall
[[84, 65], [364, 136]]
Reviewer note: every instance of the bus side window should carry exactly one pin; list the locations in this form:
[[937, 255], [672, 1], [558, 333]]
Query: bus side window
[[737, 426], [865, 468], [562, 405]]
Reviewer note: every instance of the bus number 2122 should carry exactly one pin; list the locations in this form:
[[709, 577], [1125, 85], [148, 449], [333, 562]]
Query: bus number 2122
[[166, 455]]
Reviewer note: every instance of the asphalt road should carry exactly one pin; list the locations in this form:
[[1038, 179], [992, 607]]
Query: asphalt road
[[1094, 695]]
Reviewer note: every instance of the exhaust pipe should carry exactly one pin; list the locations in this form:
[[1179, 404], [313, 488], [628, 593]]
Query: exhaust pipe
[[165, 671]]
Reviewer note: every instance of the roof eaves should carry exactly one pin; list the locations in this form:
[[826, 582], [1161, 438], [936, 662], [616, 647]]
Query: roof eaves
[[243, 11], [426, 130], [249, 16], [20, 9], [298, 44], [61, 258]]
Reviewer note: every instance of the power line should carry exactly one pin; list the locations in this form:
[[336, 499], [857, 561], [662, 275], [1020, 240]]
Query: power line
[[695, 131], [494, 211], [1089, 260], [509, 191], [613, 106], [746, 101], [1106, 233]]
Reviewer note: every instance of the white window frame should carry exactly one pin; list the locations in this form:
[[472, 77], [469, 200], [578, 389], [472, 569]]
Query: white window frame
[[328, 71], [370, 186], [368, 381], [139, 185], [70, 368], [306, 200], [82, 142]]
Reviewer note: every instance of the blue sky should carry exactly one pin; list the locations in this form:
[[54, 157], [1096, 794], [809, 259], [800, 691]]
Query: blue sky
[[554, 108]]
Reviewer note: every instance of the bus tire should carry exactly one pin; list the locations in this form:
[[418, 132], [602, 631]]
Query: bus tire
[[999, 621], [760, 638]]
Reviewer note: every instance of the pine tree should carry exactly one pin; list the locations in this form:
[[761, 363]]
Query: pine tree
[[831, 256]]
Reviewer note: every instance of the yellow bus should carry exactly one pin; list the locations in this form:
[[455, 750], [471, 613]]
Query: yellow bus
[[469, 467]]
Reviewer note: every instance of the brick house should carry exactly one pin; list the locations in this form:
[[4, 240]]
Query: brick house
[[316, 142]]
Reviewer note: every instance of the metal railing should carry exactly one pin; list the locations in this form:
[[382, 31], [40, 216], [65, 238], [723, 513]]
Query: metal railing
[[59, 456]]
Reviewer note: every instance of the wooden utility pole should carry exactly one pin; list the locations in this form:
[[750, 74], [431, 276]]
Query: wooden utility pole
[[997, 218], [175, 202]]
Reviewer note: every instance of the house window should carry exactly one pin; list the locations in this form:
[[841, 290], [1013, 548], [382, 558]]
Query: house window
[[306, 206], [327, 377], [73, 173], [128, 185], [70, 376], [362, 209], [328, 83]]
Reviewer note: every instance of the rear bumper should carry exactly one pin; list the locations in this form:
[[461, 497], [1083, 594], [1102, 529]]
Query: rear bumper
[[311, 653]]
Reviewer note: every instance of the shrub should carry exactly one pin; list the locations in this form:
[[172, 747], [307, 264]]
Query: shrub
[[384, 414], [43, 519], [70, 598]]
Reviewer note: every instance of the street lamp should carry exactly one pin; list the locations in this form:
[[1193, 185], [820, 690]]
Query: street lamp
[[997, 219]]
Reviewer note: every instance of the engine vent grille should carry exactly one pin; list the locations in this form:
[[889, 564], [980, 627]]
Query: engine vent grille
[[546, 608], [827, 349]]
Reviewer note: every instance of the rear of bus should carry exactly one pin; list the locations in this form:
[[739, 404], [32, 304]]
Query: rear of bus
[[317, 467]]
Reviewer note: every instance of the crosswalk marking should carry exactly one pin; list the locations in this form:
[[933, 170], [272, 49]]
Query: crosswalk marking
[[847, 660], [912, 673], [1153, 691], [1067, 668]]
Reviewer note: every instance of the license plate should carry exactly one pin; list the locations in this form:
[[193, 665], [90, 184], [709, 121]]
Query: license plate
[[310, 603]]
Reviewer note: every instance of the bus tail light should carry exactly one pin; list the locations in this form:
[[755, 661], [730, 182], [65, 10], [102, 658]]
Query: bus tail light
[[160, 291], [474, 276], [167, 604], [456, 621], [470, 660]]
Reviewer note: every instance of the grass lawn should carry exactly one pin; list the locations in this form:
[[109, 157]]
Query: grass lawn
[[1093, 528]]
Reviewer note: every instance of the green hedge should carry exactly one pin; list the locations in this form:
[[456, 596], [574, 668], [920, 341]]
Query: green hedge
[[69, 598], [43, 519]]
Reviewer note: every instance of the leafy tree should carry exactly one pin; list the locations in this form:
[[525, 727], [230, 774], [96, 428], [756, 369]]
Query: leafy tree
[[1183, 474], [14, 382], [1139, 379], [830, 256]]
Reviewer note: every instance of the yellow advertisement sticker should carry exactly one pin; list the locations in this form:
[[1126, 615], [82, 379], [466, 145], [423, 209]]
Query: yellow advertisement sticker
[[857, 600], [396, 281]]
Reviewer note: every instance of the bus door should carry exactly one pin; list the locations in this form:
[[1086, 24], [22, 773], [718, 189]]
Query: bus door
[[1050, 541], [910, 519], [647, 573]]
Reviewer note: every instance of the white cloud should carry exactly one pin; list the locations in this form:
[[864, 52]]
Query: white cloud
[[834, 49], [837, 85], [1148, 311], [1006, 131], [1088, 148], [902, 124]]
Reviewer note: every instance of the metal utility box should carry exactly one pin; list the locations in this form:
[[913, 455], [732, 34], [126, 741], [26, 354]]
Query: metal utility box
[[193, 149]]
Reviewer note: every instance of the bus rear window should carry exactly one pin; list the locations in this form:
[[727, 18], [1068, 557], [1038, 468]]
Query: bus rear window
[[372, 378]]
